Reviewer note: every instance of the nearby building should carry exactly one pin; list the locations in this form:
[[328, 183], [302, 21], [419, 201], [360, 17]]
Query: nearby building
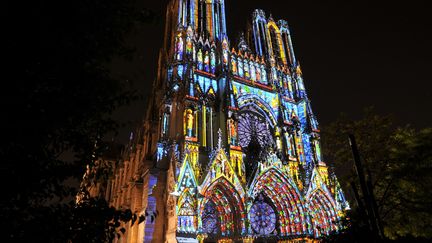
[[230, 148]]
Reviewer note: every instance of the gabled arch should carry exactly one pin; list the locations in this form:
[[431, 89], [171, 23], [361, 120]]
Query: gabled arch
[[285, 197], [186, 174], [321, 206], [322, 212], [229, 206]]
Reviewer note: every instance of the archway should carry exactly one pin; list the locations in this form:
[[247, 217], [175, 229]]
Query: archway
[[285, 198], [222, 210], [322, 212]]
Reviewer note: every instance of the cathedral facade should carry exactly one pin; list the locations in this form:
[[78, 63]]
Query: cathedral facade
[[230, 148]]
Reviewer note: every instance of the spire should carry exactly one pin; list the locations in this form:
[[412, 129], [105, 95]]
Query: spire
[[271, 18], [242, 45]]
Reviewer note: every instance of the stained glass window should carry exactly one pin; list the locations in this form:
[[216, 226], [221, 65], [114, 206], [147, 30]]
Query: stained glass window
[[180, 71]]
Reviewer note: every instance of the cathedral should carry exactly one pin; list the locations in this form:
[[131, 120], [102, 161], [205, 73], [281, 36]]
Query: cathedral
[[229, 150]]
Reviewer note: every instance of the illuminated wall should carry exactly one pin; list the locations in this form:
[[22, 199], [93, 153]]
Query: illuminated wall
[[248, 162]]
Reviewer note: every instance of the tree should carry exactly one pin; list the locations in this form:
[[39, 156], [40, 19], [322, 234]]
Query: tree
[[56, 106], [397, 161]]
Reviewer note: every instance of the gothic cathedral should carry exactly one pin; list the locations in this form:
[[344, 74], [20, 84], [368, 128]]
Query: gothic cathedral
[[230, 145]]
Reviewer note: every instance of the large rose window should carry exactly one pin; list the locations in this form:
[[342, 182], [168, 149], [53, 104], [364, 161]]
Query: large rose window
[[253, 126]]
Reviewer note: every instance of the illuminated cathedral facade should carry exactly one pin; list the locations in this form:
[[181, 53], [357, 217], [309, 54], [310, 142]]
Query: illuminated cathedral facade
[[230, 149]]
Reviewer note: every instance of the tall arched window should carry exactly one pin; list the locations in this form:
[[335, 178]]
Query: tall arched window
[[286, 45], [189, 9], [263, 40], [202, 17], [259, 32], [217, 18], [274, 44], [260, 37]]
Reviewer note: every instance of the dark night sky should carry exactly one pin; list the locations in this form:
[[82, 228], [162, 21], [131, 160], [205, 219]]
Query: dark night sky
[[353, 54]]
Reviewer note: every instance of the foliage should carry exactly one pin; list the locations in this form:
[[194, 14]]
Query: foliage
[[398, 161], [56, 106]]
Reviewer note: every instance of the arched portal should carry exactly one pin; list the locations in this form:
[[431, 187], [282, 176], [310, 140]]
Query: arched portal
[[322, 212], [286, 200], [222, 200]]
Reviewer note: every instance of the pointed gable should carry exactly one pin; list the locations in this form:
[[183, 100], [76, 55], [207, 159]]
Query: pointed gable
[[186, 178]]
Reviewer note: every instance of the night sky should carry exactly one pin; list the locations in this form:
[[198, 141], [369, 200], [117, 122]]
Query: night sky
[[353, 55]]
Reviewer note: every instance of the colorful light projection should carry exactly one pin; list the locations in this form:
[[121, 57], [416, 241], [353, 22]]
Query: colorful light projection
[[254, 126], [206, 83], [266, 102], [285, 197], [267, 98], [210, 220], [229, 205], [179, 47], [249, 68], [322, 212], [262, 217], [186, 186]]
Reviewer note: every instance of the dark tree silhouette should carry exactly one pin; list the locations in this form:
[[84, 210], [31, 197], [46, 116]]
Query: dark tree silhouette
[[57, 99], [398, 163]]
